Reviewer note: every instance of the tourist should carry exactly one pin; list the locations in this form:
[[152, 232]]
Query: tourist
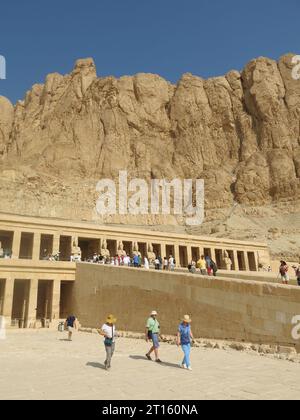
[[146, 263], [297, 272], [160, 262], [156, 263], [136, 261], [152, 333], [166, 263], [171, 263], [184, 338], [214, 268], [208, 265], [127, 261], [283, 271], [108, 330], [71, 325], [202, 265], [192, 267]]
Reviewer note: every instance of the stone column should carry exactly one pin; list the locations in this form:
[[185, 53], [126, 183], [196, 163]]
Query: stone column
[[189, 254], [177, 255], [8, 299], [36, 246], [16, 244], [247, 265], [256, 260], [32, 303], [163, 248], [56, 242], [213, 254], [236, 260], [55, 301]]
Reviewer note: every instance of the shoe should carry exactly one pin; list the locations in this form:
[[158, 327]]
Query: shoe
[[148, 357], [158, 361], [189, 368], [183, 366]]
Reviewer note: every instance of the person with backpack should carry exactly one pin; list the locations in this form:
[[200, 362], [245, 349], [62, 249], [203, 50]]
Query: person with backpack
[[153, 333], [184, 339], [297, 272], [108, 330], [283, 271]]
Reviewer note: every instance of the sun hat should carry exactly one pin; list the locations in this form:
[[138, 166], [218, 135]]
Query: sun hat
[[153, 313], [187, 319], [111, 319]]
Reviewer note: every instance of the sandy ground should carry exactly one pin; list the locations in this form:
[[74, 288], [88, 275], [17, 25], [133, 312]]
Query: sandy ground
[[42, 365]]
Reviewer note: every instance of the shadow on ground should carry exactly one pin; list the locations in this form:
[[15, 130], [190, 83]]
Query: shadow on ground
[[96, 365], [167, 364]]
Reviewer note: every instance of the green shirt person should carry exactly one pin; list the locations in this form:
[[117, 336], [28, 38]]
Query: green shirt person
[[152, 333]]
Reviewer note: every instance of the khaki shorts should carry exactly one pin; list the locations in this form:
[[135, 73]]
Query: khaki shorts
[[71, 329]]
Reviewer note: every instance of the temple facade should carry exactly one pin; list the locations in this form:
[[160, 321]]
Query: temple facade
[[35, 290]]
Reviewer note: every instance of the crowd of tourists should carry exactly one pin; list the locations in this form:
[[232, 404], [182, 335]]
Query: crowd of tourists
[[157, 263], [184, 337], [205, 265]]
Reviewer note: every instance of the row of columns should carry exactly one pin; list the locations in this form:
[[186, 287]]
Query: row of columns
[[8, 298], [163, 245]]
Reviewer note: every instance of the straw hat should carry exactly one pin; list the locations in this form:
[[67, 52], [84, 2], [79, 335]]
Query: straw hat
[[153, 313], [187, 319], [111, 319]]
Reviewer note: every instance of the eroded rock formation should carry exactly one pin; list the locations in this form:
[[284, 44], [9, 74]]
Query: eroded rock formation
[[240, 132]]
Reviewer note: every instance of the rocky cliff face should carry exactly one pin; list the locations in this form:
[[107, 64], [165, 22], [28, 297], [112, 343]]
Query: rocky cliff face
[[240, 132]]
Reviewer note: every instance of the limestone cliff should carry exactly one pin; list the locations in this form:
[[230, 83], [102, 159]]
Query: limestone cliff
[[240, 132]]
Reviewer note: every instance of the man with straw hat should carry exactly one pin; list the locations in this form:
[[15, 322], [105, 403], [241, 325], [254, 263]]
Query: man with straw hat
[[152, 333], [184, 338], [108, 330]]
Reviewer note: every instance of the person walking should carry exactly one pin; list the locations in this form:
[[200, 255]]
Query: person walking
[[108, 330], [283, 271], [71, 325], [184, 339], [166, 263], [152, 333]]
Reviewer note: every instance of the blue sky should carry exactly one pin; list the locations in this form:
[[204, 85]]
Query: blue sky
[[168, 37]]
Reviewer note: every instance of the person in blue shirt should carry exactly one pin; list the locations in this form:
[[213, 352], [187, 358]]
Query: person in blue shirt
[[185, 338], [136, 260]]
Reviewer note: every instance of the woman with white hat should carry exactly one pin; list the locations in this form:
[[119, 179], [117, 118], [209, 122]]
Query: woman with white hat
[[152, 333], [108, 330], [184, 338]]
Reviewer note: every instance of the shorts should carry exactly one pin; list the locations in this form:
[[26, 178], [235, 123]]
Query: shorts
[[155, 341], [70, 329], [285, 277]]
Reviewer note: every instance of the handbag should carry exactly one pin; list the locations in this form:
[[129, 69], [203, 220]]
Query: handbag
[[108, 342]]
